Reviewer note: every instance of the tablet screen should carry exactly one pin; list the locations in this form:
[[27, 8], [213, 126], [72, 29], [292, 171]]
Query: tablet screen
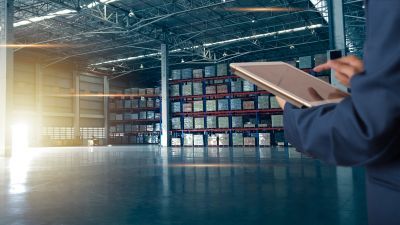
[[295, 81]]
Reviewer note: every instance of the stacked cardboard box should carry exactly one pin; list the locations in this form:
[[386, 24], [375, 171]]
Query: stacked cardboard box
[[211, 89], [198, 140], [264, 139], [157, 127], [176, 107], [128, 128], [176, 142], [127, 116], [150, 128], [249, 141], [211, 105], [248, 86], [223, 122], [157, 91], [237, 139], [236, 104], [199, 123], [187, 73], [142, 91], [157, 103], [222, 70], [143, 115], [188, 139], [209, 71], [150, 115], [211, 122], [174, 90], [149, 91], [119, 117], [222, 89], [135, 103], [119, 104], [236, 86], [187, 89], [127, 104], [273, 102], [198, 73], [176, 75], [306, 62], [176, 123], [157, 115], [223, 139], [150, 103], [188, 123], [212, 140], [223, 104], [198, 106], [120, 128], [134, 116], [277, 120], [248, 104], [113, 116], [237, 121], [187, 107], [197, 88], [142, 103], [263, 102]]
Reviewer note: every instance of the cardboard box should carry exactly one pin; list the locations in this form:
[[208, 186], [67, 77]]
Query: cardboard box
[[198, 106], [142, 91], [222, 69], [150, 128], [176, 123], [188, 139], [134, 116], [128, 128], [135, 103], [223, 104], [197, 88], [113, 116], [157, 91], [223, 122], [176, 107], [249, 141], [236, 86], [199, 123], [273, 102], [149, 91], [223, 139], [150, 103], [198, 73], [211, 122], [187, 73], [264, 139], [176, 74], [198, 140], [209, 71], [150, 115], [236, 104], [142, 103], [174, 91], [212, 140], [187, 107], [221, 89], [142, 115], [211, 105], [127, 116], [277, 120], [119, 117], [188, 123], [211, 89], [176, 141], [248, 86], [263, 102], [237, 121], [127, 104], [187, 89], [248, 104], [237, 139]]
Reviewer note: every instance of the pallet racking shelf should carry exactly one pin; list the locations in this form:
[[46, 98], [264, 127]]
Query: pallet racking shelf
[[130, 136], [181, 96]]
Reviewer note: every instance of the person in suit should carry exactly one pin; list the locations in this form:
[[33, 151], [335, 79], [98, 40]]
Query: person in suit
[[363, 129]]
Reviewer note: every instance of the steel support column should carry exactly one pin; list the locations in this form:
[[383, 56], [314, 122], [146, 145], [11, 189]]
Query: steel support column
[[106, 107], [6, 75], [38, 103], [337, 38], [77, 129], [165, 118]]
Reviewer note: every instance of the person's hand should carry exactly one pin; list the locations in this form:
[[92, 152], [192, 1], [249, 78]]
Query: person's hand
[[281, 102], [345, 68]]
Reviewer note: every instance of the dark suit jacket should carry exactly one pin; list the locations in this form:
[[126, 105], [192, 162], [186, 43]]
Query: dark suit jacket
[[364, 129]]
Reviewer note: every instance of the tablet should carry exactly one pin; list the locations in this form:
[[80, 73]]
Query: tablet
[[288, 82]]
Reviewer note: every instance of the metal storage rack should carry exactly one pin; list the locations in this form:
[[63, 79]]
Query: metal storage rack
[[226, 79], [137, 135]]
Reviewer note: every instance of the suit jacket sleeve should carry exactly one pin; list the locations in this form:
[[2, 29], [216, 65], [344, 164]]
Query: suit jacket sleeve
[[364, 128]]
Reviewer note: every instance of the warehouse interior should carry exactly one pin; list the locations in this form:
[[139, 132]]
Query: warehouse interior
[[126, 112]]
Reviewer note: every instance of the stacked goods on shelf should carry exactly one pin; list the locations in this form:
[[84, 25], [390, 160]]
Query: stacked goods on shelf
[[135, 117], [211, 107]]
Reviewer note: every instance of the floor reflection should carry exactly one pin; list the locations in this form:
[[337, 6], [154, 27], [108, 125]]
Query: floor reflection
[[152, 185]]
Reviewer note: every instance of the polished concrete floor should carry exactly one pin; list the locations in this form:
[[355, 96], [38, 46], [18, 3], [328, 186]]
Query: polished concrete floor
[[148, 185]]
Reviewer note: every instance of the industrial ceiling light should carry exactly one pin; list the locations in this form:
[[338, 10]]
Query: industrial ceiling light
[[141, 66], [224, 54], [113, 69], [291, 47], [131, 13], [182, 60]]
